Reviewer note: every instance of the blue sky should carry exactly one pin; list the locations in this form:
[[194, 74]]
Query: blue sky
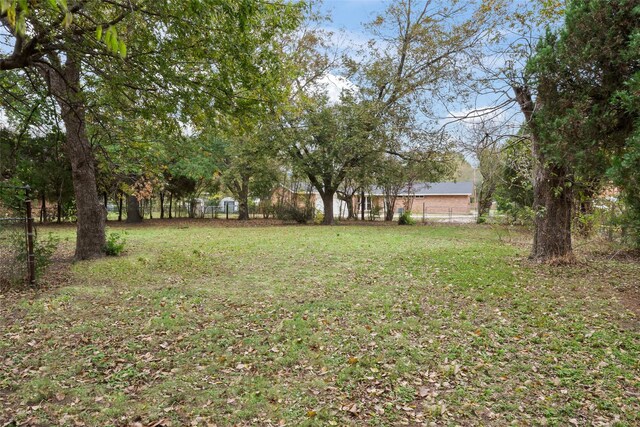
[[351, 14]]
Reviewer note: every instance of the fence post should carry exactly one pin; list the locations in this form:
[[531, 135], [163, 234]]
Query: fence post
[[226, 208], [31, 262]]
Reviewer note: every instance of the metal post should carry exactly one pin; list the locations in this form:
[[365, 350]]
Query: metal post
[[226, 208], [31, 262]]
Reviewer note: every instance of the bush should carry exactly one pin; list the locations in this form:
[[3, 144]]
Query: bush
[[318, 218], [15, 250], [406, 219], [290, 212], [115, 244]]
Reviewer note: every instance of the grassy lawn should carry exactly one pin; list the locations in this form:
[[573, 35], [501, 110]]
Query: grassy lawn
[[310, 325]]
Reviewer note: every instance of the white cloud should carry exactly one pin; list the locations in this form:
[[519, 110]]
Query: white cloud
[[333, 86]]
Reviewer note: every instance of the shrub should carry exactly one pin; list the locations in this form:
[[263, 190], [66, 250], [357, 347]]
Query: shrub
[[406, 219], [318, 218], [115, 244], [291, 212], [14, 271]]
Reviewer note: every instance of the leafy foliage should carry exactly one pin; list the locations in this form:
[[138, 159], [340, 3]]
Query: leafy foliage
[[406, 219], [115, 244]]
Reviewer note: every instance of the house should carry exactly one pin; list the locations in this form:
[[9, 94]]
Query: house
[[303, 195], [427, 197]]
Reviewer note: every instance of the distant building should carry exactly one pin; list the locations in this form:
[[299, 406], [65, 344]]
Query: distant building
[[431, 197]]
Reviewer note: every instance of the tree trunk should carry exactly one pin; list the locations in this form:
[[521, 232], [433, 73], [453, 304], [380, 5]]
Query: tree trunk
[[120, 208], [363, 204], [65, 86], [243, 199], [388, 215], [552, 198], [162, 205], [552, 206], [390, 203], [170, 204], [43, 208], [133, 210], [150, 208], [192, 208], [327, 201], [349, 201], [59, 220], [485, 200]]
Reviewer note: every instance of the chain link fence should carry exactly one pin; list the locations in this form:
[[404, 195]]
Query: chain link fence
[[17, 260]]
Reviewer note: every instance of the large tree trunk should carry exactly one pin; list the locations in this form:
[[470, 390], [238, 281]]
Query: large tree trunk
[[243, 199], [552, 198], [327, 201], [552, 206], [133, 210], [65, 86]]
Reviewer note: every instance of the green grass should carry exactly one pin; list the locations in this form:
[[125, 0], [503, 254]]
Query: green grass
[[309, 325]]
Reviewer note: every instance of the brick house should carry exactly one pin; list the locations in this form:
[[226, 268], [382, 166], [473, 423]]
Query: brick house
[[432, 197]]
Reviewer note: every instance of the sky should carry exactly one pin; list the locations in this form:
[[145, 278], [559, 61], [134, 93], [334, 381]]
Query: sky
[[347, 21], [351, 14]]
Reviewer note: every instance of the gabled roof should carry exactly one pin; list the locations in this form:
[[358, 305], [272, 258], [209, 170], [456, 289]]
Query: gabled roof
[[433, 189]]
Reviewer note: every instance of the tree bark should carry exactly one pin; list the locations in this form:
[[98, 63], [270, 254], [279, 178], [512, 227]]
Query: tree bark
[[552, 197], [170, 205], [485, 200], [65, 86], [243, 199], [363, 204], [327, 201], [348, 200], [133, 210], [43, 208], [552, 203], [162, 205], [391, 206], [120, 208]]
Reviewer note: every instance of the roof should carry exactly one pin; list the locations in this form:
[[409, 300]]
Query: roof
[[433, 189]]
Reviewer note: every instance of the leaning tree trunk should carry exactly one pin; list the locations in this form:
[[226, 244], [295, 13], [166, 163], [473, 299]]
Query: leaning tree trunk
[[65, 86], [133, 210], [327, 201], [485, 200]]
